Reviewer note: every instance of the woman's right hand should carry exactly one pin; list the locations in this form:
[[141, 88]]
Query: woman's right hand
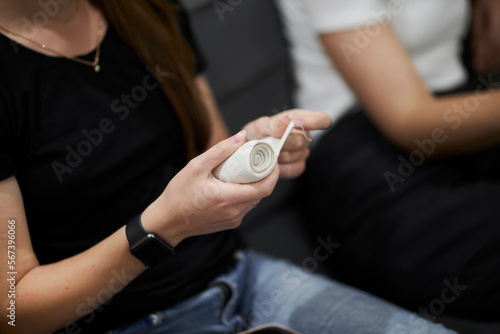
[[196, 203]]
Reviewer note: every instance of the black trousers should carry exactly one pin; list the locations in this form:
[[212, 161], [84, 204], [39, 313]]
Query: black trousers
[[420, 231]]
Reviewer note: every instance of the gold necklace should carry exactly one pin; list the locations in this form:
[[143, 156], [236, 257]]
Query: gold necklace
[[94, 63]]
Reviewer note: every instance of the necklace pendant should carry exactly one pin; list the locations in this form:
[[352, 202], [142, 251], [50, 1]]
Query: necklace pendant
[[97, 68]]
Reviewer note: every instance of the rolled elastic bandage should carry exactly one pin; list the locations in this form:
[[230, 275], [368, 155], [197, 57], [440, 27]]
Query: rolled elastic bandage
[[253, 161]]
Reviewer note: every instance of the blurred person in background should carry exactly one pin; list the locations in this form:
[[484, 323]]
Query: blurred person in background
[[407, 179]]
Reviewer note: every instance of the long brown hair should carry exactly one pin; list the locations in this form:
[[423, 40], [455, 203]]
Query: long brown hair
[[152, 29]]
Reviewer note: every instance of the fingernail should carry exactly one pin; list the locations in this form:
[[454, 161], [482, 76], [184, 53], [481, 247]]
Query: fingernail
[[239, 137], [299, 124]]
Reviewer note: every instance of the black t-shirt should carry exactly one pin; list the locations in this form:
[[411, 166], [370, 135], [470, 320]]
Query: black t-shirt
[[90, 151]]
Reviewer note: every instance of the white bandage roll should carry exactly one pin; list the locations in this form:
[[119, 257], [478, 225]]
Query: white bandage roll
[[253, 161]]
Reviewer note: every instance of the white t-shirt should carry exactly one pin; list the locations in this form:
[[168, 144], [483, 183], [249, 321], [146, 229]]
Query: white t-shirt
[[431, 31]]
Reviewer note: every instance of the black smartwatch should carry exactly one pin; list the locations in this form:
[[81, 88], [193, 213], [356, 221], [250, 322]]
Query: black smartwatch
[[149, 248]]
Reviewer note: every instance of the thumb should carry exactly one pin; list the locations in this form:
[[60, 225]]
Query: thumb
[[222, 150], [280, 128]]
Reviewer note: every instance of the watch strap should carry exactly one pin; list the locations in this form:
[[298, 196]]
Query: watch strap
[[148, 247]]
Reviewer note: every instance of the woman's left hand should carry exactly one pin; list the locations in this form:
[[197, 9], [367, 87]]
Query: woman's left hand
[[292, 159]]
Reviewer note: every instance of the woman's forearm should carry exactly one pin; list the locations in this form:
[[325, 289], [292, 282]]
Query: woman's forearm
[[49, 297], [448, 125], [396, 99]]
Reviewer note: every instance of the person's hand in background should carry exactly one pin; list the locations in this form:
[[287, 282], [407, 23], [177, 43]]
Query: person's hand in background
[[293, 155], [485, 36]]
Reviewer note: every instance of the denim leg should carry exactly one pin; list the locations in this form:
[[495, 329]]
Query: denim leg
[[309, 303], [265, 290], [199, 314], [236, 279]]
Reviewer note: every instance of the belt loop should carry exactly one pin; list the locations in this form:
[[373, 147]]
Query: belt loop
[[225, 290]]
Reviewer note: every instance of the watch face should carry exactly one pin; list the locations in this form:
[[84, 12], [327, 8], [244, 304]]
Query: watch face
[[151, 251]]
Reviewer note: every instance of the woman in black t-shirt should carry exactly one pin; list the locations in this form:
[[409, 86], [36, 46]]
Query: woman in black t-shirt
[[106, 132]]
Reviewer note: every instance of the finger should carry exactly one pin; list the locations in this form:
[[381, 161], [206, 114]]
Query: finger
[[288, 157], [279, 125], [221, 151], [240, 193], [266, 186], [270, 126], [255, 127], [310, 120], [236, 222], [298, 140], [292, 170]]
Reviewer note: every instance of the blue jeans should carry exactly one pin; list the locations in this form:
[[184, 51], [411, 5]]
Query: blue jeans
[[258, 289]]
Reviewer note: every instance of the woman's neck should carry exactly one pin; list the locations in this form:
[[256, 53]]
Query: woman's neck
[[68, 26], [38, 12]]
